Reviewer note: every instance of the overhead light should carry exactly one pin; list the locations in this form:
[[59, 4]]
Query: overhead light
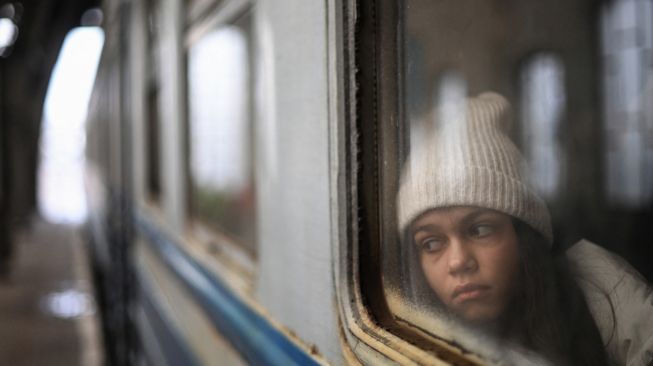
[[8, 34]]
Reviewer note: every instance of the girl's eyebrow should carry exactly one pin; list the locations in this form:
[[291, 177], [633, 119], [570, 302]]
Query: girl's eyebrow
[[466, 220], [475, 214], [424, 227]]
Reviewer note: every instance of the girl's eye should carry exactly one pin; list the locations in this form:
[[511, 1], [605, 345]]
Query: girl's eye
[[482, 230], [431, 245]]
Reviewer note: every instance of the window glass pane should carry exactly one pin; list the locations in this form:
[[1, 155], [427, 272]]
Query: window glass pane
[[627, 52], [221, 156], [527, 133]]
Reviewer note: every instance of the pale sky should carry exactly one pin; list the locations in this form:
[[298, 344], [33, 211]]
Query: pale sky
[[61, 188]]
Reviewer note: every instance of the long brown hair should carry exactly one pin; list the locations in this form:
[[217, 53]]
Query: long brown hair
[[549, 313]]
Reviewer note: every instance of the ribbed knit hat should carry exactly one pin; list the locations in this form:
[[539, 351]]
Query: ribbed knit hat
[[468, 160]]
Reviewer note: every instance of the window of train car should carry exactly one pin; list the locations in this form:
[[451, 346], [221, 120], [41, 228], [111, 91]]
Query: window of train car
[[523, 169], [221, 149]]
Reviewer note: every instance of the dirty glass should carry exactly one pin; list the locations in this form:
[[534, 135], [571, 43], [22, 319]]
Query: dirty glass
[[540, 112], [220, 131]]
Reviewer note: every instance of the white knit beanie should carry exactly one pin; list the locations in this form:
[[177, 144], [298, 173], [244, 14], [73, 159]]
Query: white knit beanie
[[468, 160]]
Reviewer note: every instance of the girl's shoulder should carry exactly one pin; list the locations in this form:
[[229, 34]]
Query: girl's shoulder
[[620, 300], [603, 267]]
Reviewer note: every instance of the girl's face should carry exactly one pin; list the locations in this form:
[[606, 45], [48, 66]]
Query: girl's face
[[470, 258]]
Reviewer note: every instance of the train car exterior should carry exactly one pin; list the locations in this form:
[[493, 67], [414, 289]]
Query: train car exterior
[[244, 157], [182, 293]]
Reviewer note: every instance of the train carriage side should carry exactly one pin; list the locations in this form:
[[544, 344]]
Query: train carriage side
[[196, 294]]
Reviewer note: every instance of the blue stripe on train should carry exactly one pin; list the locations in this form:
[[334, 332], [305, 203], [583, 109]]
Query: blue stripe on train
[[170, 341], [253, 336]]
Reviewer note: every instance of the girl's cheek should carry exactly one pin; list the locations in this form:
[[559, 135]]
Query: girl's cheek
[[430, 269]]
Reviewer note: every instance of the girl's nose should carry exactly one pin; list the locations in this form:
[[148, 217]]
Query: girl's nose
[[461, 258]]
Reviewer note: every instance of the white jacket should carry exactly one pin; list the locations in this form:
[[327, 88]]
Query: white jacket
[[606, 279]]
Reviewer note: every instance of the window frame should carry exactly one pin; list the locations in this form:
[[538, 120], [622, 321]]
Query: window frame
[[373, 72], [371, 140], [152, 185]]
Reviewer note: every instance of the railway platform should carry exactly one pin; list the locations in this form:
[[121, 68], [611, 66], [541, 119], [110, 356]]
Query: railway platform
[[48, 314]]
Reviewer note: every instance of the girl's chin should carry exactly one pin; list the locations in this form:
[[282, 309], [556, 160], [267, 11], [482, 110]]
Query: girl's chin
[[478, 317]]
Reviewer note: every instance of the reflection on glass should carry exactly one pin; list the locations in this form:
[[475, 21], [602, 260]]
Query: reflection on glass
[[220, 132], [474, 257], [543, 100], [627, 46], [450, 110], [447, 111]]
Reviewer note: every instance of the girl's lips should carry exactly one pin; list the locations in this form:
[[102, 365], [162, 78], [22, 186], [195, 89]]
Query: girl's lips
[[469, 291]]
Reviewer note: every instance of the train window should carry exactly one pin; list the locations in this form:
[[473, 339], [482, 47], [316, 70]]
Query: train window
[[221, 131], [526, 136]]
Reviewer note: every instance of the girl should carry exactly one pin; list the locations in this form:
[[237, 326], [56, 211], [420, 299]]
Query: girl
[[483, 239]]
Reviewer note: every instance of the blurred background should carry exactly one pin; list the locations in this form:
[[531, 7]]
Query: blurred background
[[49, 54]]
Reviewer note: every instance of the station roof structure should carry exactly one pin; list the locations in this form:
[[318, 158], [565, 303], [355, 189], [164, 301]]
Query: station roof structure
[[31, 35]]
